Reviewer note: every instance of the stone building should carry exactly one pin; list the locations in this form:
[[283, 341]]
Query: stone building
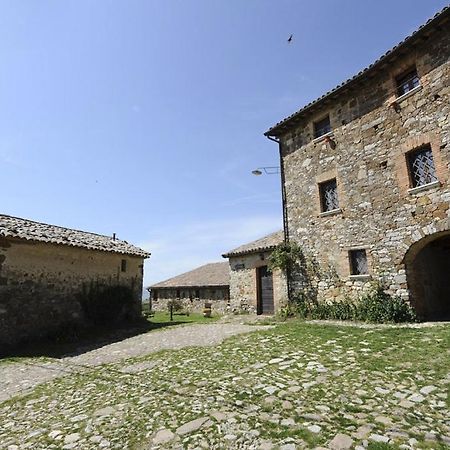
[[50, 276], [191, 290], [365, 175], [253, 287]]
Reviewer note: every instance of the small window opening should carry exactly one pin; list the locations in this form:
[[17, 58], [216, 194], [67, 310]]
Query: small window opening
[[421, 166], [197, 293], [123, 265], [407, 82], [358, 262], [322, 127], [328, 195]]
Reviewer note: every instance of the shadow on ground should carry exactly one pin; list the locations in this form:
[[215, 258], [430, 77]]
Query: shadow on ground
[[73, 342]]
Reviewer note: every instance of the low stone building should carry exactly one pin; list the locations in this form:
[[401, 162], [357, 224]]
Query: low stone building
[[365, 175], [253, 287], [191, 290], [51, 277]]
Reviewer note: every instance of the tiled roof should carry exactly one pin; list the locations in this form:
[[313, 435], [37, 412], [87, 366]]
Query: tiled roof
[[15, 227], [391, 54], [265, 243], [213, 274]]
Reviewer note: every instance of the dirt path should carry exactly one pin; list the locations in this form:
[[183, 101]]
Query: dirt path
[[20, 377]]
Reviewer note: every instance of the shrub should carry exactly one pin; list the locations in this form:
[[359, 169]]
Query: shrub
[[176, 304], [376, 306], [285, 256]]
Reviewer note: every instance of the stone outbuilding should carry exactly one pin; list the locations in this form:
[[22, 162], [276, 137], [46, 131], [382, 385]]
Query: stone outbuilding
[[191, 290], [253, 287], [365, 177], [53, 277]]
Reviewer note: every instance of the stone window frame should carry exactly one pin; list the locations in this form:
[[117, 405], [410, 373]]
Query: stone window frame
[[411, 158], [321, 119], [401, 77], [351, 260], [402, 164], [406, 66], [346, 263], [323, 178]]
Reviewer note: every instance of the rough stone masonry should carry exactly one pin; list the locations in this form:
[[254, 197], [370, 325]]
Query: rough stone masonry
[[366, 178]]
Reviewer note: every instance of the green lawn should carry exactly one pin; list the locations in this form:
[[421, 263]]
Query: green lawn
[[161, 317], [296, 383]]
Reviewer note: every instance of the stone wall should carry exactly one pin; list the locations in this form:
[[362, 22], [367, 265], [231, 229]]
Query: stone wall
[[41, 284], [243, 283], [379, 212], [193, 299]]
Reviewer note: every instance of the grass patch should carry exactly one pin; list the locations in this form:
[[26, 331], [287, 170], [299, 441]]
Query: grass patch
[[324, 370], [162, 317]]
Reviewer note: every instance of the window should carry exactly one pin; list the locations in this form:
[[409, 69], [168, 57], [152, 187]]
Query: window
[[123, 265], [421, 166], [329, 195], [322, 127], [155, 296], [407, 82], [178, 293], [197, 293], [358, 262]]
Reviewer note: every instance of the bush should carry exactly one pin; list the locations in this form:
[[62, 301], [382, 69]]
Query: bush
[[376, 306], [176, 304]]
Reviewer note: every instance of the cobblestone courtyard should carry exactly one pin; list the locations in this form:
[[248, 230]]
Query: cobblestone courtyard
[[295, 385]]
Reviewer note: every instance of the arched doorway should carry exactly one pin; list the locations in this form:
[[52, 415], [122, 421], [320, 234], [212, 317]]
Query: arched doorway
[[427, 265]]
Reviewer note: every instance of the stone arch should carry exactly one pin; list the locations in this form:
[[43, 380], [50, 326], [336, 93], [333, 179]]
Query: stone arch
[[427, 265]]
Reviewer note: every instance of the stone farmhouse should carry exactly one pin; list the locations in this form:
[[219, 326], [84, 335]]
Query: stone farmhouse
[[365, 177], [253, 287], [50, 276], [206, 284]]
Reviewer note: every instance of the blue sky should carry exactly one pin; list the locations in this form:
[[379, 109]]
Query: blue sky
[[145, 118]]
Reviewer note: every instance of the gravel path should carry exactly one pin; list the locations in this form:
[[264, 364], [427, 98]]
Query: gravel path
[[21, 377]]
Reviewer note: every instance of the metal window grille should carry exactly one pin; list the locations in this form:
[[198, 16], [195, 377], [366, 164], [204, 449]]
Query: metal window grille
[[322, 127], [407, 82], [421, 167], [329, 195], [358, 262]]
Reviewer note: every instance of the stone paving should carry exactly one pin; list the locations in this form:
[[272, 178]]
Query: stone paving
[[291, 387], [27, 374]]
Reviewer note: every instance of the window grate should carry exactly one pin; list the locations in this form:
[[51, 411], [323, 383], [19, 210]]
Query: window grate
[[407, 82], [358, 262], [322, 127], [421, 167], [329, 195]]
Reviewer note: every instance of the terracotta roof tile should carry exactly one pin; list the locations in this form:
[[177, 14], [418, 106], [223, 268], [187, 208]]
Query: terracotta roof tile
[[285, 124], [266, 243], [212, 274], [15, 227]]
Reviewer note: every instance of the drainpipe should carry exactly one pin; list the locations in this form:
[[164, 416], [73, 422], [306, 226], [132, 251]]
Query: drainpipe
[[285, 215]]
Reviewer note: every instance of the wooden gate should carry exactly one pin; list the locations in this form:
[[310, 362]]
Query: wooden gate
[[264, 291]]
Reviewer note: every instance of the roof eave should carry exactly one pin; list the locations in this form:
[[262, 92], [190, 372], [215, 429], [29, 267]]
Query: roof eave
[[430, 26]]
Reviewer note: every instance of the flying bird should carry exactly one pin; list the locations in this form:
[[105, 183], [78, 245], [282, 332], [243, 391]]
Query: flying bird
[[290, 38]]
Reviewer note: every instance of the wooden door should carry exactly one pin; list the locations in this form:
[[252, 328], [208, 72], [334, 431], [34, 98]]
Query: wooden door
[[265, 291]]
